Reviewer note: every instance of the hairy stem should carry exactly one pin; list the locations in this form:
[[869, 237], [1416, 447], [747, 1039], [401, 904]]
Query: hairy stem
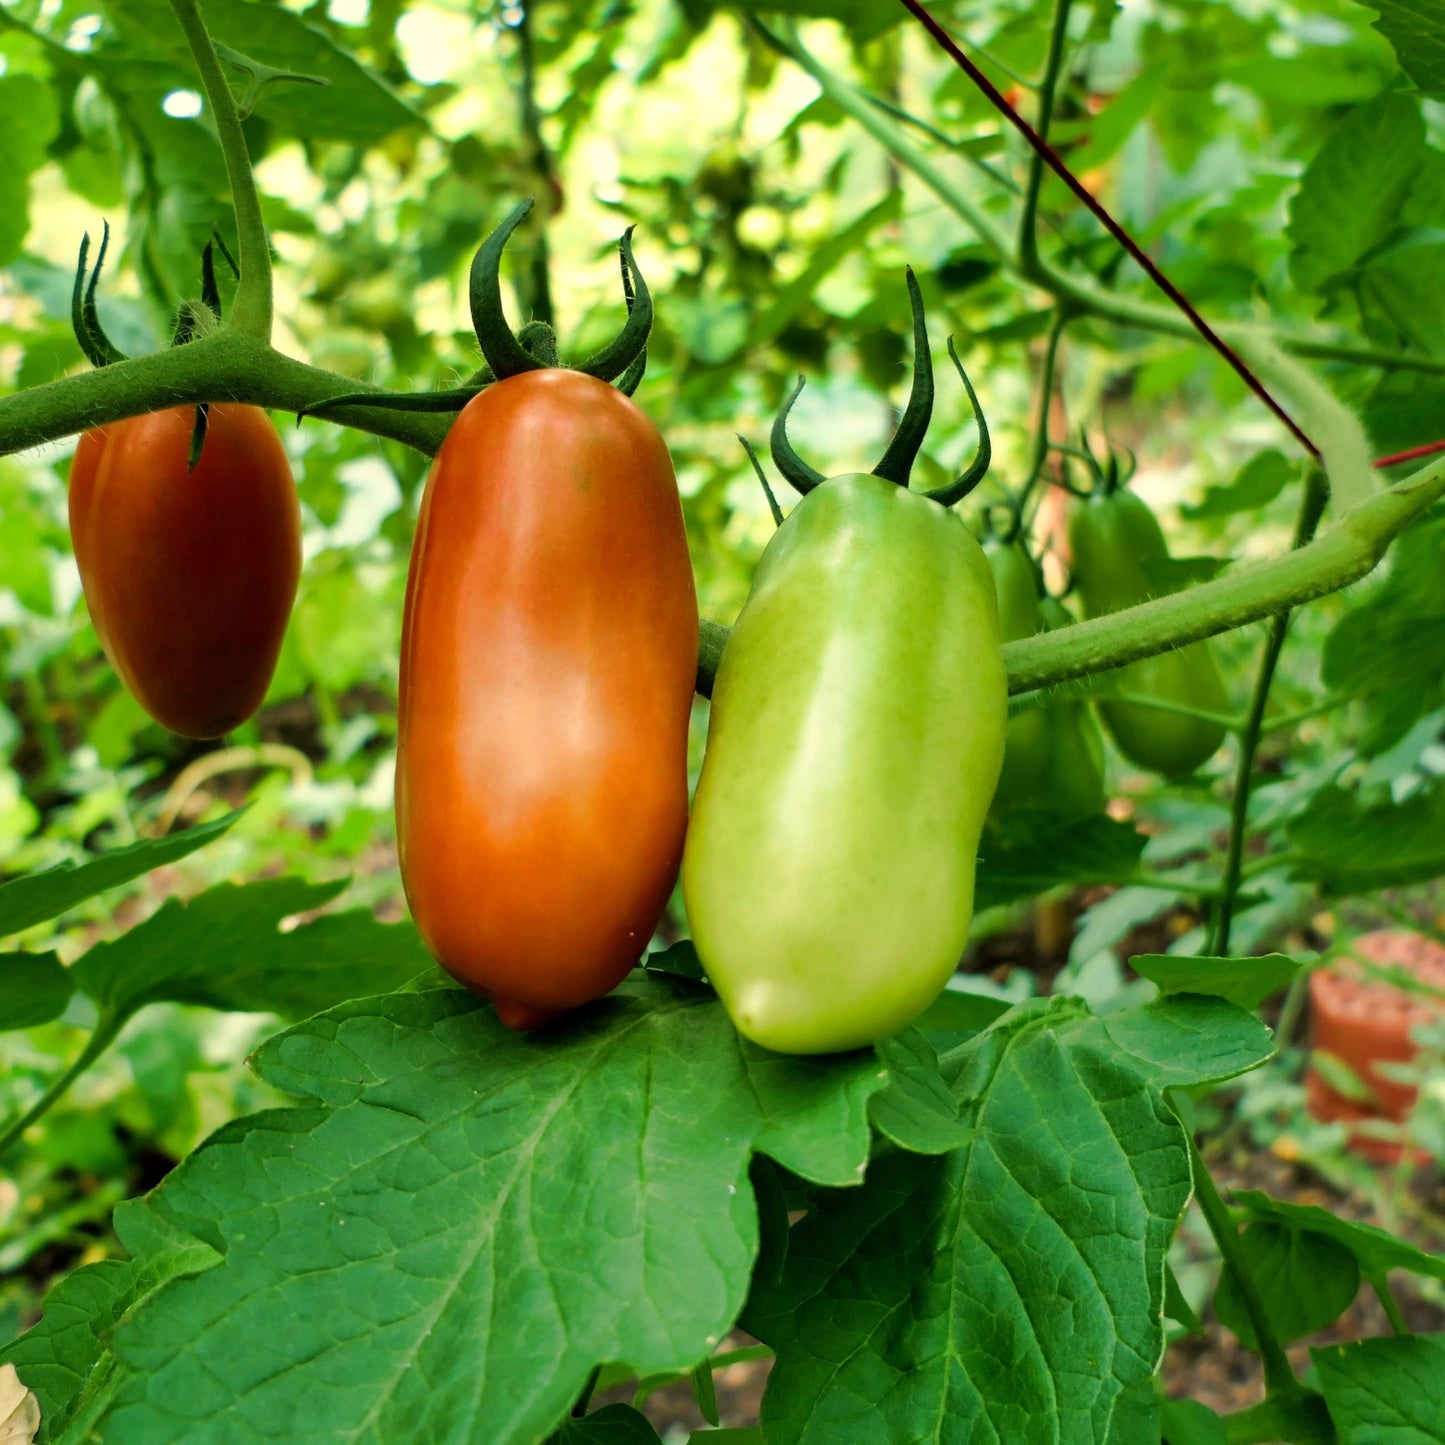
[[1312, 506], [1343, 554], [251, 310], [224, 367]]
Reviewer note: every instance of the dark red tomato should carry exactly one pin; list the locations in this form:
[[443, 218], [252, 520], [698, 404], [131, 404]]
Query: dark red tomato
[[189, 575], [548, 656]]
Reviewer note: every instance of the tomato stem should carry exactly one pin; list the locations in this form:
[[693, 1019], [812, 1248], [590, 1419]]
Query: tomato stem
[[106, 1029], [251, 312]]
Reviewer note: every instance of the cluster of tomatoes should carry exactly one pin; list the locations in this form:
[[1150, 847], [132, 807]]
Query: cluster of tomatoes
[[548, 663]]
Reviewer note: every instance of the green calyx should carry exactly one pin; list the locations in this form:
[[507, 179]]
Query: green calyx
[[902, 451], [98, 348], [622, 361]]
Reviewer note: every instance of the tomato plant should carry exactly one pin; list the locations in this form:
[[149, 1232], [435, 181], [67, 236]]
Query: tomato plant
[[853, 750], [894, 1122], [547, 666], [1115, 538], [189, 571]]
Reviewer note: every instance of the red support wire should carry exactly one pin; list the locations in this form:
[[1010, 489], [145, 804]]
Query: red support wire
[[1414, 454], [1055, 163]]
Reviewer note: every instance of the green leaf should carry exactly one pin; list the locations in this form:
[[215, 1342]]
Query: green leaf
[[1031, 857], [1350, 845], [1246, 982], [1184, 1040], [36, 988], [1257, 483], [1187, 1422], [356, 106], [681, 960], [63, 1358], [916, 1111], [1177, 1308], [1386, 1391], [1011, 1290], [226, 949], [28, 121], [463, 1221], [1351, 193], [956, 1015], [1306, 1281], [1416, 28], [1376, 1250], [1404, 288], [614, 1425], [748, 1435], [28, 901], [1173, 574]]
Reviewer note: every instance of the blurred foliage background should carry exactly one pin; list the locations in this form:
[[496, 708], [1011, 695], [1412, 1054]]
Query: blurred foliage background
[[774, 231]]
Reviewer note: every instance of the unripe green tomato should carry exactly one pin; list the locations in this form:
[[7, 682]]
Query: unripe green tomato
[[854, 744], [1113, 536], [1026, 743], [1071, 785]]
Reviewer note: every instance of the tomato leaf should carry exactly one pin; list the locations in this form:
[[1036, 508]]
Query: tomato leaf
[[1390, 1389], [28, 901], [28, 121], [1417, 31], [613, 1425], [462, 1221], [63, 1358], [36, 988], [1306, 1281], [680, 960], [1187, 1422], [1352, 844], [916, 1110], [1377, 1251], [1350, 195], [1246, 982], [1039, 1247], [1257, 483], [1019, 862], [356, 106], [226, 949]]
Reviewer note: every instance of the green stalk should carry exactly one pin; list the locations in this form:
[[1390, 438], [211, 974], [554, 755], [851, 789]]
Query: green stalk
[[105, 1033], [1227, 721], [1383, 1293], [1028, 235], [539, 267], [1048, 374], [228, 366], [1278, 1376], [252, 307], [1343, 554], [1312, 506]]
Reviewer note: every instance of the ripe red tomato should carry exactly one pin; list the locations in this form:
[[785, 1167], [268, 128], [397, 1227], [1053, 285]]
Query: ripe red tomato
[[548, 658], [189, 575]]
